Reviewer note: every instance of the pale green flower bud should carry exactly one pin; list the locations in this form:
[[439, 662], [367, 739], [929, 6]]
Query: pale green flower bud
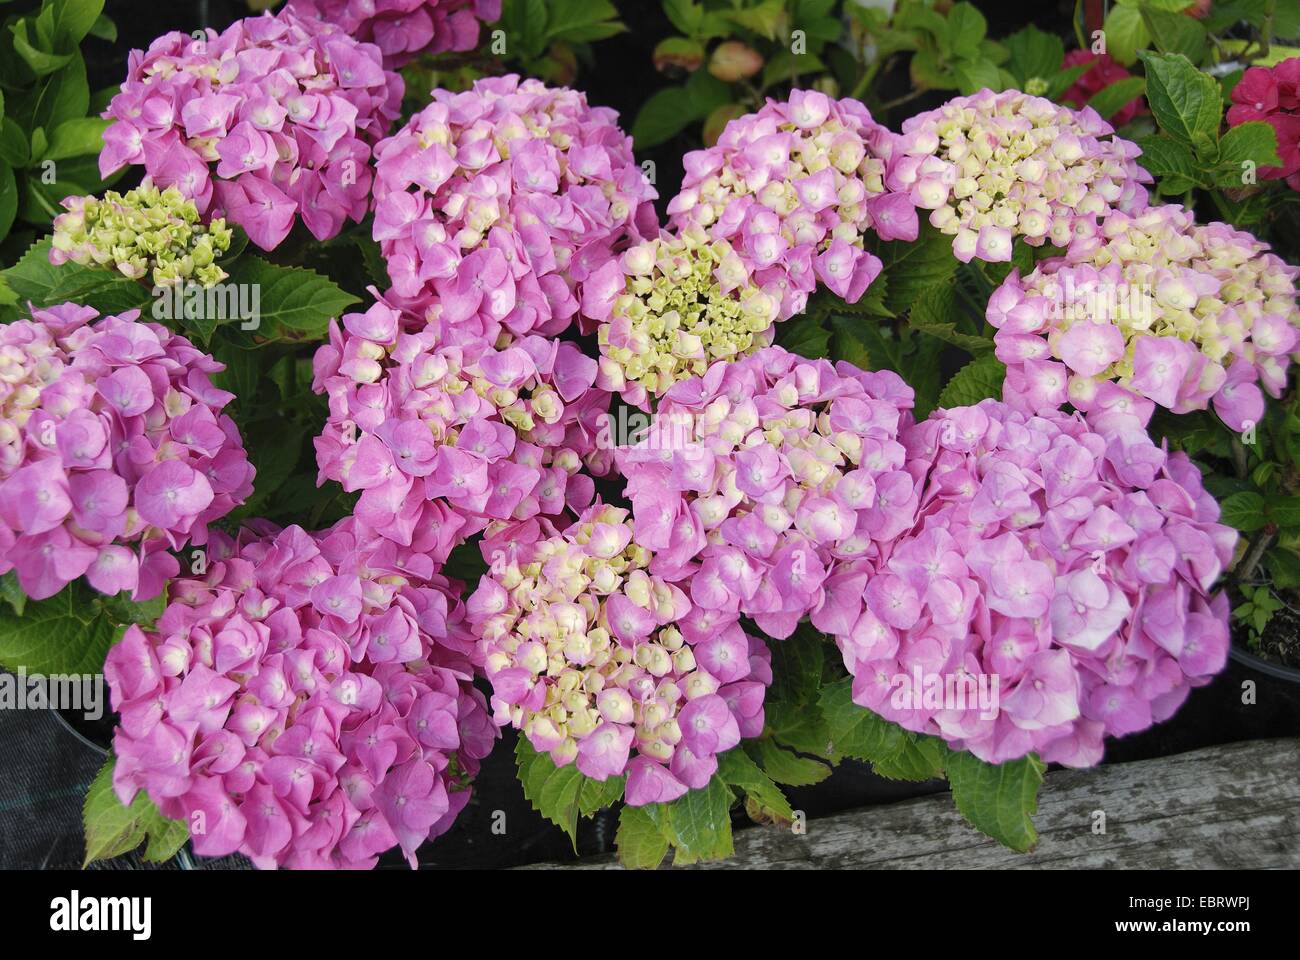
[[146, 231]]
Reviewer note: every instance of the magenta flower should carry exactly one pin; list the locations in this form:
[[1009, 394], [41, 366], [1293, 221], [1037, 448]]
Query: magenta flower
[[757, 476], [287, 107], [1269, 94], [600, 662], [1101, 73], [270, 702], [1060, 573], [480, 237], [113, 449]]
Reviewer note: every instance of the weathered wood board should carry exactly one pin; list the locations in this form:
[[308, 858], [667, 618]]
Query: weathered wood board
[[1229, 806]]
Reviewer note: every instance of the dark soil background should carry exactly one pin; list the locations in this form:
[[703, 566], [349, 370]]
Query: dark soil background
[[41, 790]]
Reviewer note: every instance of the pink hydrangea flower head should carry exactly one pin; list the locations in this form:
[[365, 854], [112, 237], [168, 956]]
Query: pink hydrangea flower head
[[404, 29], [308, 701], [793, 189], [494, 205], [995, 166], [1046, 586], [272, 119], [111, 434], [600, 662], [443, 439], [754, 479], [1171, 313]]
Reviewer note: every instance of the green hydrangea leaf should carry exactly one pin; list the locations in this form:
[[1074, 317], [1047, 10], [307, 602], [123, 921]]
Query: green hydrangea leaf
[[786, 766], [978, 380], [1185, 102], [112, 829], [68, 633], [764, 799], [1000, 800], [699, 824], [641, 843], [1114, 98], [552, 791]]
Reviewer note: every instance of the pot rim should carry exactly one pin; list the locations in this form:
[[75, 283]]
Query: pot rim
[[1248, 659], [67, 725]]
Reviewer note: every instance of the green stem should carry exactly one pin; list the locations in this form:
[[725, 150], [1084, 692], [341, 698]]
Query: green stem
[[906, 98], [1266, 31], [868, 75], [1239, 456], [1259, 543]]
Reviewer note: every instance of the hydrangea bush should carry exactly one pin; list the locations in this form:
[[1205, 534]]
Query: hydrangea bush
[[793, 188], [404, 29], [492, 206], [603, 478], [442, 439], [759, 475], [145, 233], [669, 308]]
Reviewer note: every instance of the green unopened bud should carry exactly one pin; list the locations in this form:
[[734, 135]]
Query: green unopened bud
[[145, 231]]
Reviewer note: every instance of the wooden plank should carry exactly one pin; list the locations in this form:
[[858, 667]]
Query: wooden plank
[[1236, 805]]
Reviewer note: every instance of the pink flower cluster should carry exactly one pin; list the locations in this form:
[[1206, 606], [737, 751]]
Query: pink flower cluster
[[287, 109], [1065, 573], [443, 439], [591, 655], [1272, 95], [404, 29], [492, 206], [995, 166], [793, 188], [1153, 310], [307, 703], [757, 478], [1103, 72], [111, 434]]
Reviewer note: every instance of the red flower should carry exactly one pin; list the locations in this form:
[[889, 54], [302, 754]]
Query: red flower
[[1272, 94], [1102, 74], [1254, 97]]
